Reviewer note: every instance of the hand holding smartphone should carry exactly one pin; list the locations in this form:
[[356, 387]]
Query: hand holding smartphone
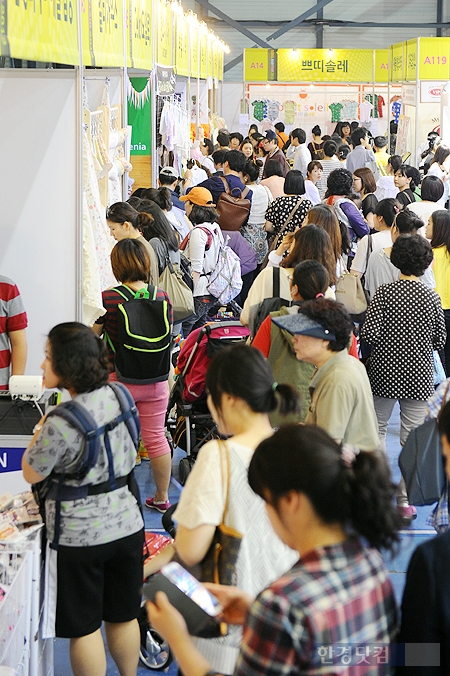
[[198, 606]]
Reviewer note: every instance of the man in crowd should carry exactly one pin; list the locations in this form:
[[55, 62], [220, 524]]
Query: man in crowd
[[270, 145]]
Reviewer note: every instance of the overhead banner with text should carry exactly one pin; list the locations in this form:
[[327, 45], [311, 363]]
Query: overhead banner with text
[[102, 26], [140, 34], [164, 33], [325, 65], [45, 31]]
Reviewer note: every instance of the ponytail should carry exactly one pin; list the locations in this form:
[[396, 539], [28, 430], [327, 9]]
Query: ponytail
[[372, 513], [354, 490], [242, 372], [288, 399]]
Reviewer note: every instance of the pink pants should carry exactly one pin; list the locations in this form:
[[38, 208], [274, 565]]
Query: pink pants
[[151, 401]]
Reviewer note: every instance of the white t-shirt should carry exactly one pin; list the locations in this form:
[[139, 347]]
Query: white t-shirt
[[311, 192], [302, 157], [380, 240], [385, 188], [424, 210], [261, 199], [262, 556]]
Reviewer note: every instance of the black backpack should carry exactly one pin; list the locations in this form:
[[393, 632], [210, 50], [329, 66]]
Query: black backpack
[[269, 305], [144, 330]]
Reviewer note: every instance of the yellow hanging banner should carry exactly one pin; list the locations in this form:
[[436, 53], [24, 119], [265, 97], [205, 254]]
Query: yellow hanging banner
[[40, 31], [195, 51], [411, 59], [203, 54], [210, 56], [325, 65], [256, 65], [381, 73], [434, 63], [181, 45], [397, 62], [163, 33], [221, 62], [102, 26], [139, 29]]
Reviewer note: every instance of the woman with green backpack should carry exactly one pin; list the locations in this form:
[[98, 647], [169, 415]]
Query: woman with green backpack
[[143, 368]]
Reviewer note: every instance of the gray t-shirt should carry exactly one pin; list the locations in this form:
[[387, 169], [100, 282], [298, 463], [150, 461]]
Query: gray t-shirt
[[96, 519], [380, 271]]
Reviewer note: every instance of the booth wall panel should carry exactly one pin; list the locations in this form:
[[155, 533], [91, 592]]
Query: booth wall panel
[[38, 219]]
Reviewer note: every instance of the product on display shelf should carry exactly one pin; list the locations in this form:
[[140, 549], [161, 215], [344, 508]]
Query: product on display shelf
[[259, 110], [378, 102], [349, 110], [290, 108], [273, 110], [335, 111], [396, 109], [365, 110]]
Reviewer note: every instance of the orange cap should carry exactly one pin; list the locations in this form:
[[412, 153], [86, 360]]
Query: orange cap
[[199, 196]]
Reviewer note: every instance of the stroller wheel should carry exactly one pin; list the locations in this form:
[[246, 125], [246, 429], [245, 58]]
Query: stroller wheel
[[154, 651], [184, 469]]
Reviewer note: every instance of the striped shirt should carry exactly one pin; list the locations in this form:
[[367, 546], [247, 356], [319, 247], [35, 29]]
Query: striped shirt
[[340, 594], [12, 318]]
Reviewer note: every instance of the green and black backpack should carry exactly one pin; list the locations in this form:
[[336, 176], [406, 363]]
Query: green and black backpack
[[144, 330]]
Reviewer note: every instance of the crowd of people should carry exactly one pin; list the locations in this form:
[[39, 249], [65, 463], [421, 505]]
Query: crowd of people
[[313, 212]]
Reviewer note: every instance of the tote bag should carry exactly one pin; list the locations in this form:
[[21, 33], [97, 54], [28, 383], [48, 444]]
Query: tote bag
[[350, 293], [171, 280]]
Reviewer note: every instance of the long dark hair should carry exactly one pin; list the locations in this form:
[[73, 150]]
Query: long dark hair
[[257, 388], [78, 357], [152, 222], [441, 229], [312, 243], [356, 494], [311, 279]]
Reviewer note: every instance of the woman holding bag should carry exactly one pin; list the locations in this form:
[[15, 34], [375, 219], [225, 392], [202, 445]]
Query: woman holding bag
[[240, 407], [288, 212]]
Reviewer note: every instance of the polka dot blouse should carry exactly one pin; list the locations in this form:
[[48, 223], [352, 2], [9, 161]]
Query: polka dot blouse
[[404, 323], [279, 210]]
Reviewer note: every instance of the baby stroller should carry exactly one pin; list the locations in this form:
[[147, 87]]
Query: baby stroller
[[188, 417]]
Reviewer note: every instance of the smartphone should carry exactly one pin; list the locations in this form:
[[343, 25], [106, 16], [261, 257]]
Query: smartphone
[[199, 608], [190, 586]]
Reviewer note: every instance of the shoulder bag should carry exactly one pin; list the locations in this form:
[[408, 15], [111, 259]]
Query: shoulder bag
[[422, 463], [172, 282], [219, 562], [350, 293], [233, 211], [274, 238]]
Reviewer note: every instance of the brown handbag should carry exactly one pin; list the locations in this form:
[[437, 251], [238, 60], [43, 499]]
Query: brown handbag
[[233, 211], [219, 562]]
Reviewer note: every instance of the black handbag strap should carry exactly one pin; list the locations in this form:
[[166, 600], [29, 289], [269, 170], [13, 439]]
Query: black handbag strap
[[276, 282], [290, 217]]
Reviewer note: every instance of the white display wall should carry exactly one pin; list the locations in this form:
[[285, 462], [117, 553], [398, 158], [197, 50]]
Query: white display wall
[[39, 218]]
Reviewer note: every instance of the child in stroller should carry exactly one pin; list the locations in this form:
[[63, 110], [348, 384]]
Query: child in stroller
[[188, 417]]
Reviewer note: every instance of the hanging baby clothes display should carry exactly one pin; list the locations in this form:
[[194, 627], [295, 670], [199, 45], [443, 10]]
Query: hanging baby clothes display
[[381, 103], [273, 110], [243, 106], [290, 108], [174, 129], [259, 110], [349, 110], [97, 241], [378, 102], [335, 111], [396, 110], [365, 109]]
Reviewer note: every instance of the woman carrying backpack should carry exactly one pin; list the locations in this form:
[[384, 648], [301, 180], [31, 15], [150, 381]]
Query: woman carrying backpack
[[202, 250], [130, 264], [95, 576]]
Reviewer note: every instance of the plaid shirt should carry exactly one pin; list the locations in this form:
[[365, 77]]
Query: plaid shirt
[[439, 517], [340, 594]]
